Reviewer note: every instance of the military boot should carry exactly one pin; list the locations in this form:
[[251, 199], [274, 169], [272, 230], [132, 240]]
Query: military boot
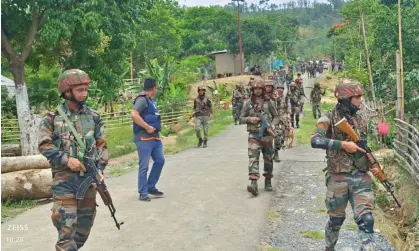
[[205, 144], [253, 188], [297, 121], [268, 185], [276, 156], [200, 141]]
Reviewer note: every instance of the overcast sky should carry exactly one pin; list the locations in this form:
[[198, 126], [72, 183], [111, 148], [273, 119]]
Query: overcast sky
[[224, 2]]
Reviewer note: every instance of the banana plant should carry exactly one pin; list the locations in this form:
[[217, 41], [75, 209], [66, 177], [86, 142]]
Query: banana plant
[[162, 75]]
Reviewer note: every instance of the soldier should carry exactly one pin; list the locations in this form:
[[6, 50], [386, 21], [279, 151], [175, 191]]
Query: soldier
[[253, 108], [283, 107], [301, 93], [202, 110], [316, 98], [73, 218], [294, 97], [237, 102], [289, 77], [346, 176], [269, 88]]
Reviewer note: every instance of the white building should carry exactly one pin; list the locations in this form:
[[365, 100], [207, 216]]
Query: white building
[[10, 84]]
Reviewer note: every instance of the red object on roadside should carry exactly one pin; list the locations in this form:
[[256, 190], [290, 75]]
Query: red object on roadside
[[383, 128]]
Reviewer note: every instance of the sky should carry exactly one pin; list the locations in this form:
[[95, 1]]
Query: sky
[[224, 2]]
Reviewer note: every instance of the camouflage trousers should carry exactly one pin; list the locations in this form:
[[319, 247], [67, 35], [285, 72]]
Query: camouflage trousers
[[201, 121], [72, 218], [316, 109], [357, 189], [237, 107], [255, 146]]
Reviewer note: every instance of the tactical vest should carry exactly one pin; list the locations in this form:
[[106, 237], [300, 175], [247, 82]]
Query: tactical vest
[[202, 107], [339, 161], [64, 140], [255, 109], [150, 115], [294, 97], [317, 95], [281, 105]]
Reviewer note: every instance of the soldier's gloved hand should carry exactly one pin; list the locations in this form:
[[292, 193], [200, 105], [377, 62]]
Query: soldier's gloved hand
[[254, 120], [75, 165], [350, 147]]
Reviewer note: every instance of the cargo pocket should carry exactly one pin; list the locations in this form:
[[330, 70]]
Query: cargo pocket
[[330, 201], [57, 212]]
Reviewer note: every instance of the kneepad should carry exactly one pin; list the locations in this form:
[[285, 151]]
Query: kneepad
[[366, 223], [336, 222]]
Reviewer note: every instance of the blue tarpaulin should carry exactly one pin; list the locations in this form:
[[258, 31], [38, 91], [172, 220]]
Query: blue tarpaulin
[[277, 64]]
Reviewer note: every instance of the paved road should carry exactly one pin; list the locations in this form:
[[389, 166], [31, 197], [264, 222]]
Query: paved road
[[206, 207]]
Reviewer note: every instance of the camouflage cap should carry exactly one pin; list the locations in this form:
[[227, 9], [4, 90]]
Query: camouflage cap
[[281, 85], [348, 88], [293, 85], [317, 84], [201, 87], [71, 78]]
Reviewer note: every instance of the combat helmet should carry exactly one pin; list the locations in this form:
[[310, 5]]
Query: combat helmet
[[348, 88], [71, 78], [258, 83], [293, 85], [201, 87]]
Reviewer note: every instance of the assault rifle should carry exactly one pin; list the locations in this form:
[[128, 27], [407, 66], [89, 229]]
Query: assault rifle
[[265, 125], [92, 177], [344, 126]]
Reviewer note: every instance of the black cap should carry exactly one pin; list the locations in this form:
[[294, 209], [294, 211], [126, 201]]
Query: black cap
[[149, 83]]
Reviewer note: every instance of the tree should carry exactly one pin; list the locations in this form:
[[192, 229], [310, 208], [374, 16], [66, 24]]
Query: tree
[[91, 35], [21, 22]]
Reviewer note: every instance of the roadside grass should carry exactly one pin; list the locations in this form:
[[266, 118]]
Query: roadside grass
[[316, 235], [308, 123], [222, 119], [12, 208], [272, 215]]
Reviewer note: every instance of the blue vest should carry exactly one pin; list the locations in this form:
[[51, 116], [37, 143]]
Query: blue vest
[[150, 115]]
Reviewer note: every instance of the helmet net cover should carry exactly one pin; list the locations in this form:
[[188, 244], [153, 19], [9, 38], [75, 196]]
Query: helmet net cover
[[70, 78], [348, 88]]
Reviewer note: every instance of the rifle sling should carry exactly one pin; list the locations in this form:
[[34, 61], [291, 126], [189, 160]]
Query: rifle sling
[[82, 146]]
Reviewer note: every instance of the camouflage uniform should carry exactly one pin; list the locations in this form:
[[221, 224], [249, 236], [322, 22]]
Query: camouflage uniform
[[316, 98], [283, 107], [203, 110], [346, 176], [301, 93], [72, 218], [294, 97], [237, 102], [251, 108]]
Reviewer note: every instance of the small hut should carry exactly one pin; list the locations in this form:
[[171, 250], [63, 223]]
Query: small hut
[[226, 64]]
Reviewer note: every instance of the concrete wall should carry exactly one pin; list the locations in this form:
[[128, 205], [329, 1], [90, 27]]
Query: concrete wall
[[227, 63]]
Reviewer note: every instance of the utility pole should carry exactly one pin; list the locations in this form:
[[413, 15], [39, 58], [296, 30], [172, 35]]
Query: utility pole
[[240, 36], [401, 60], [367, 58]]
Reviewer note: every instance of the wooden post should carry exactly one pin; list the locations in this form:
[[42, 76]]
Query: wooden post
[[399, 105], [367, 56], [401, 58]]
